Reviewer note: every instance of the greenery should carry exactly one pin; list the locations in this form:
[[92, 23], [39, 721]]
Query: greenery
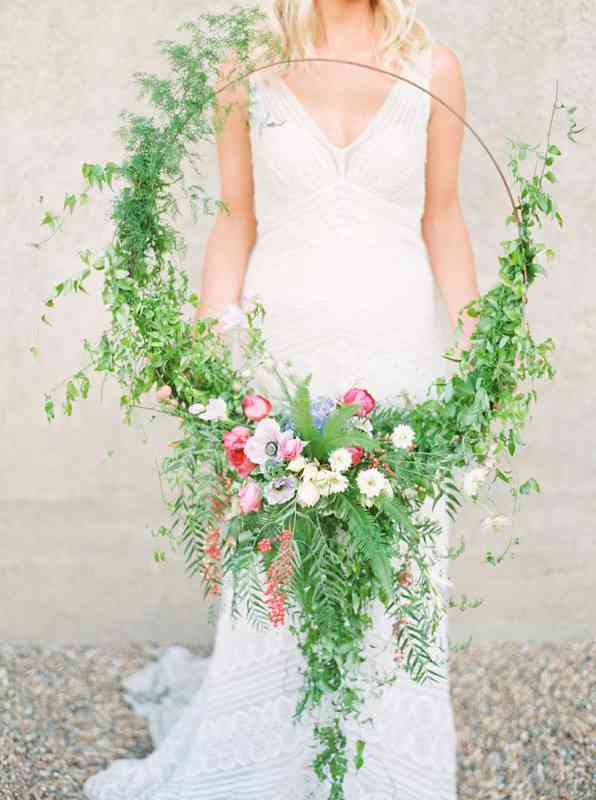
[[342, 555]]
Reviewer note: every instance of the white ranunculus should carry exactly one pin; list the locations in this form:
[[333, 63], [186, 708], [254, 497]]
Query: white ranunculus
[[308, 493], [216, 409], [296, 464], [310, 473], [473, 480], [196, 408], [495, 523], [340, 460], [371, 482], [402, 436], [330, 482]]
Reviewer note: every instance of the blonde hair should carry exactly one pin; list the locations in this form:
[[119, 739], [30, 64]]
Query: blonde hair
[[296, 26]]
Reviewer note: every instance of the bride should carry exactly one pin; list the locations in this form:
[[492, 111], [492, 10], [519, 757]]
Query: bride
[[346, 221]]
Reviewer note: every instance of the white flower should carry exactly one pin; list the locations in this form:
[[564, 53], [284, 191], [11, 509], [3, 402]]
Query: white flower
[[362, 424], [410, 493], [296, 464], [310, 473], [387, 488], [232, 316], [264, 443], [308, 493], [196, 408], [249, 301], [402, 436], [216, 409], [340, 460], [495, 523], [371, 482], [330, 482], [473, 480]]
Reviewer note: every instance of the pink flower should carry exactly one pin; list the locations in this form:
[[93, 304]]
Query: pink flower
[[255, 407], [250, 497], [290, 448], [236, 438], [264, 545], [233, 442], [240, 462], [356, 454], [360, 396]]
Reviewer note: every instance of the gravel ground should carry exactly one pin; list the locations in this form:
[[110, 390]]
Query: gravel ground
[[525, 714]]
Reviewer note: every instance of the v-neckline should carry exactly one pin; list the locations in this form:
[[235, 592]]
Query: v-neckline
[[369, 127]]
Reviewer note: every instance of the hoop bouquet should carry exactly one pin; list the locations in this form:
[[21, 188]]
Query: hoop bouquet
[[312, 509]]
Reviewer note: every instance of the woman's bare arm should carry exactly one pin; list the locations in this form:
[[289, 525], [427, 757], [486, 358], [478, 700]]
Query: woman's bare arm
[[233, 234], [443, 227]]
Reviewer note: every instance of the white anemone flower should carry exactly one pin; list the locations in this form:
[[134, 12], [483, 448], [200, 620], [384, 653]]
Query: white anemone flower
[[264, 443], [371, 482], [402, 436], [340, 460]]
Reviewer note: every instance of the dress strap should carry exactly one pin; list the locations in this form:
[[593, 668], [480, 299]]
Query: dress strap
[[422, 64]]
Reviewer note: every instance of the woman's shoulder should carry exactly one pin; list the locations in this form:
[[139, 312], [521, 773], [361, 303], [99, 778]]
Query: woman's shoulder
[[445, 62]]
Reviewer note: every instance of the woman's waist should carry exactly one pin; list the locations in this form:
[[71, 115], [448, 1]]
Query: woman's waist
[[338, 229], [357, 261]]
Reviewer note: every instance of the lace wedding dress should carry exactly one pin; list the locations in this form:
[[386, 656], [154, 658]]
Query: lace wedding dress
[[344, 275]]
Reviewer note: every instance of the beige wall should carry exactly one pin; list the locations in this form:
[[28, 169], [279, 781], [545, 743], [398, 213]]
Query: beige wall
[[75, 563]]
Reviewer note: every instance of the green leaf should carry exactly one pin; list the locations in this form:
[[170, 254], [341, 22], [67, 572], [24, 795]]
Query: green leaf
[[528, 486], [358, 757], [335, 423], [301, 412], [352, 438], [367, 535], [48, 407]]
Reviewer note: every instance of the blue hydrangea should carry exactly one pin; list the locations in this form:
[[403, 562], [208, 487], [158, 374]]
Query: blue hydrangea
[[321, 408]]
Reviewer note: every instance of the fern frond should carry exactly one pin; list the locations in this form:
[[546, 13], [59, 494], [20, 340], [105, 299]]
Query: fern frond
[[301, 412]]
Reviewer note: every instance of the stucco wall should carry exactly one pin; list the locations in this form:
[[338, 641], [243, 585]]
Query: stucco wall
[[77, 498]]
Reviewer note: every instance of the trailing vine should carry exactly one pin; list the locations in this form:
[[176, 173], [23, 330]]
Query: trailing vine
[[320, 566]]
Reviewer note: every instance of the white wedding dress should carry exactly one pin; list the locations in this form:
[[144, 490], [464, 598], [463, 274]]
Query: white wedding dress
[[344, 275]]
